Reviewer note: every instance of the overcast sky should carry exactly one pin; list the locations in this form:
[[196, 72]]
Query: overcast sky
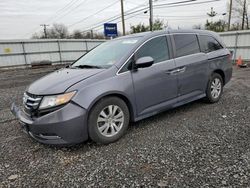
[[21, 18]]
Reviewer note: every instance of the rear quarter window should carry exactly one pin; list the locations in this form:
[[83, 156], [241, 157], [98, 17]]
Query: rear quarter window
[[209, 44], [186, 44]]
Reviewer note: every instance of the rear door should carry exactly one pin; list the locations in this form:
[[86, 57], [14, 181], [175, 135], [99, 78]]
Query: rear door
[[191, 66], [218, 56]]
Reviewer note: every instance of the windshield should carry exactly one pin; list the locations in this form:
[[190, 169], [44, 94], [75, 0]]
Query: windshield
[[106, 54]]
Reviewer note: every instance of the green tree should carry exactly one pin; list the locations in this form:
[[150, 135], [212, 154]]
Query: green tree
[[157, 25], [218, 26], [139, 28]]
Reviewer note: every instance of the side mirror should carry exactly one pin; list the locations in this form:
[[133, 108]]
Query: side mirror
[[143, 62]]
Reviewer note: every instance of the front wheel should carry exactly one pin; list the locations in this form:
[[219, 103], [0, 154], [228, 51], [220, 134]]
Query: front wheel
[[214, 88], [108, 120]]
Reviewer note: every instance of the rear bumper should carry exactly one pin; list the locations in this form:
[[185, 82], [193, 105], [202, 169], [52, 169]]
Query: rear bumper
[[64, 126]]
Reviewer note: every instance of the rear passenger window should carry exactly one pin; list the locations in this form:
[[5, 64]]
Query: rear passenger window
[[209, 44], [186, 44], [157, 48]]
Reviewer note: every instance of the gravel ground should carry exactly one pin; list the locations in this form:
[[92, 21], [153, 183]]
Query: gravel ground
[[196, 145]]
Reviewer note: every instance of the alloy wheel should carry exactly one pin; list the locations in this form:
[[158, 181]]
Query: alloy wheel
[[110, 120], [216, 88]]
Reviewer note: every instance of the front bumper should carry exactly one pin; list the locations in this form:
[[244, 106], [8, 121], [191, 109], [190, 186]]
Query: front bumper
[[67, 125]]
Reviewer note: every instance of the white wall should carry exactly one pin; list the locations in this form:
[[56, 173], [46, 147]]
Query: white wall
[[26, 52], [239, 42]]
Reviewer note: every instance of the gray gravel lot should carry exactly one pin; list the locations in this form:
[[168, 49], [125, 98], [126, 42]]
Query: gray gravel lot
[[196, 145]]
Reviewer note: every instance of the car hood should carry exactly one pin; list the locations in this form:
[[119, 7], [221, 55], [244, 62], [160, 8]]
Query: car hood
[[60, 80]]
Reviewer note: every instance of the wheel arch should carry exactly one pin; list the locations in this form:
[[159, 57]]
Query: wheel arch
[[119, 95], [221, 73]]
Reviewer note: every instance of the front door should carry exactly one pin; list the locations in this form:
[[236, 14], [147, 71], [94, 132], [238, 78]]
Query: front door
[[156, 86]]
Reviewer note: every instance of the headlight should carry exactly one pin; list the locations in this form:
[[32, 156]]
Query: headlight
[[56, 100]]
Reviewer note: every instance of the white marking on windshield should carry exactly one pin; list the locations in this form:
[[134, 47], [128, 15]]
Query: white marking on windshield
[[132, 41]]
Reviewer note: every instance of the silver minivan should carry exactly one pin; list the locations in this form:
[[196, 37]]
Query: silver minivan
[[126, 79]]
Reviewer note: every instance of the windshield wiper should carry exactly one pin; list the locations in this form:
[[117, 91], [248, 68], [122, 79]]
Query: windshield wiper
[[87, 67]]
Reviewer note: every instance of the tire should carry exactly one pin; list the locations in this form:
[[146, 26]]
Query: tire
[[215, 81], [107, 126]]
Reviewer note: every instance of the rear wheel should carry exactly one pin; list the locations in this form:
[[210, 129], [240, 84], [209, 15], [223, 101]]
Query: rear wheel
[[108, 120], [214, 88]]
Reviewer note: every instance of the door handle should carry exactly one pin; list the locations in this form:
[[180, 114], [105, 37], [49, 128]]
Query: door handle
[[171, 72], [175, 71], [182, 69]]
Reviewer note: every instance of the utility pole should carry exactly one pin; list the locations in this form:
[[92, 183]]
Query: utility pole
[[243, 16], [123, 21], [151, 15], [44, 29], [230, 13], [247, 20]]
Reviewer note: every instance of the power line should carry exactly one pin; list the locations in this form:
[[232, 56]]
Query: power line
[[125, 19], [70, 10], [142, 9], [61, 12], [136, 15], [177, 18], [118, 16], [65, 7], [195, 3], [111, 20], [102, 22], [54, 15], [97, 12], [174, 3]]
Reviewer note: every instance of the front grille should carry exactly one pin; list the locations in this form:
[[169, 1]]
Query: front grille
[[31, 103]]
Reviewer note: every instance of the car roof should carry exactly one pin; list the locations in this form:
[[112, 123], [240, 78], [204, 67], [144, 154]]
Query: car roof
[[149, 34]]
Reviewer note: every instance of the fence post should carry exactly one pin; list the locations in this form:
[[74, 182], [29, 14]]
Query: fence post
[[24, 54], [86, 44], [59, 51], [235, 46]]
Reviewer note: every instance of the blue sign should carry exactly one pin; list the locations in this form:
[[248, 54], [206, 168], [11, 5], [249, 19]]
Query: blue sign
[[110, 29]]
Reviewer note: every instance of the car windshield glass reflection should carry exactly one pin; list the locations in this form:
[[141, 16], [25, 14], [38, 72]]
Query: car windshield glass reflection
[[106, 54]]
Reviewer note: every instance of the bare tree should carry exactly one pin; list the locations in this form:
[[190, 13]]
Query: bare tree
[[240, 13], [77, 34], [99, 35], [58, 31], [198, 26], [36, 36]]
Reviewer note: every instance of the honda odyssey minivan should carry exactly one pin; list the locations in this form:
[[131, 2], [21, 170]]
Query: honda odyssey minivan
[[122, 80]]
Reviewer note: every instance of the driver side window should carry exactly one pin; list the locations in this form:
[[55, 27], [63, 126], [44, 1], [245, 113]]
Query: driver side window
[[157, 48]]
